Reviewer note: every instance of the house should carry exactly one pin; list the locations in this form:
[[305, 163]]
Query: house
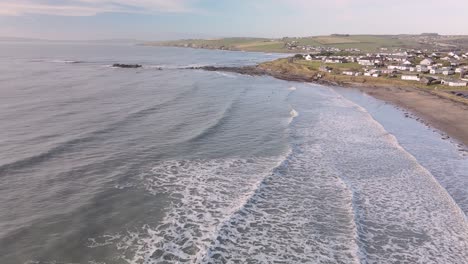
[[454, 63], [411, 77], [389, 71], [426, 62], [335, 60], [422, 68], [434, 55], [427, 80], [407, 63], [308, 57], [448, 72], [436, 71], [366, 62], [455, 83], [351, 73], [369, 61]]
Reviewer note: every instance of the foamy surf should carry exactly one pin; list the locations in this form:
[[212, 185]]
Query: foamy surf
[[293, 114], [204, 194]]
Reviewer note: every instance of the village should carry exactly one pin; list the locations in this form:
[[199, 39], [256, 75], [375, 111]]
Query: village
[[429, 68]]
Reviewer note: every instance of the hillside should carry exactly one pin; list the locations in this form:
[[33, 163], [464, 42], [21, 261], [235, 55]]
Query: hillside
[[365, 43]]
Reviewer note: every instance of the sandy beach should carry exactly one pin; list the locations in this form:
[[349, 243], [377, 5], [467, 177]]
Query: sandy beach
[[441, 113]]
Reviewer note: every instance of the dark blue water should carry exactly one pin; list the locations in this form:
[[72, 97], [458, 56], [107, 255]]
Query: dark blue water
[[106, 165]]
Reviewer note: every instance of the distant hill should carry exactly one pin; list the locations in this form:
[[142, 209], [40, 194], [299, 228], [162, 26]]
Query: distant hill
[[341, 41]]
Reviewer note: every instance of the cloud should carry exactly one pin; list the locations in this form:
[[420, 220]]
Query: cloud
[[91, 7]]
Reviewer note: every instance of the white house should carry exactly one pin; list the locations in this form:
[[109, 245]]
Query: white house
[[366, 62], [436, 71], [422, 68], [308, 57], [351, 73], [335, 60], [426, 62], [410, 78], [407, 63], [447, 71], [455, 83]]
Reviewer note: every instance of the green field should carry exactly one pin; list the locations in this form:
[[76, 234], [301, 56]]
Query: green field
[[365, 43], [315, 65]]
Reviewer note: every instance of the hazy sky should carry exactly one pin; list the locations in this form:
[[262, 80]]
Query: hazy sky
[[163, 19]]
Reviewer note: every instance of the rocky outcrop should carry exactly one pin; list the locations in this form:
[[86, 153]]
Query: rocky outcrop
[[127, 66]]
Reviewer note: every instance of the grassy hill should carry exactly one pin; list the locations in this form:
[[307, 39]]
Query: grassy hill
[[366, 43]]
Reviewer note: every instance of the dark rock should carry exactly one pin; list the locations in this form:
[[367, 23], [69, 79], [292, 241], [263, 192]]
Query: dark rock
[[127, 66]]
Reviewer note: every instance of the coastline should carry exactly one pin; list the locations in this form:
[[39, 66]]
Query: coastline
[[435, 109]]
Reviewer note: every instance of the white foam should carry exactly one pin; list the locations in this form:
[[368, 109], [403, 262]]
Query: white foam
[[64, 61], [203, 195], [292, 88], [293, 114], [401, 211], [226, 75]]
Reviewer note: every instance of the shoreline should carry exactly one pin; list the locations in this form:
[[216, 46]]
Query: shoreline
[[440, 112]]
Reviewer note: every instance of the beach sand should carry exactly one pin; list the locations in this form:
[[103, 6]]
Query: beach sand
[[443, 114]]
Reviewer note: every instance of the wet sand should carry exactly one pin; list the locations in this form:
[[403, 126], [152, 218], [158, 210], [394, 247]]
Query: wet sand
[[441, 113]]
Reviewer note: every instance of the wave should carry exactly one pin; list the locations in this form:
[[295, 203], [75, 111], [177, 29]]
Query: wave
[[226, 75], [225, 116], [293, 114], [70, 145], [58, 61], [204, 195], [67, 61], [399, 200]]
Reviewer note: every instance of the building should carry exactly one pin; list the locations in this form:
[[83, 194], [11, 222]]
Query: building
[[455, 83], [428, 80], [335, 60], [422, 69], [351, 73], [426, 62], [308, 57], [448, 72], [436, 71], [411, 77], [369, 61]]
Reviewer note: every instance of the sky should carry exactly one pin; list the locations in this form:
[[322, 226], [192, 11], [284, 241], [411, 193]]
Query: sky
[[175, 19]]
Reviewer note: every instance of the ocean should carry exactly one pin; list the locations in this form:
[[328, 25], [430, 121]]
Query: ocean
[[162, 164]]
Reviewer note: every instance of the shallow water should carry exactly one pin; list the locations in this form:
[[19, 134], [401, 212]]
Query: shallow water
[[104, 165]]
